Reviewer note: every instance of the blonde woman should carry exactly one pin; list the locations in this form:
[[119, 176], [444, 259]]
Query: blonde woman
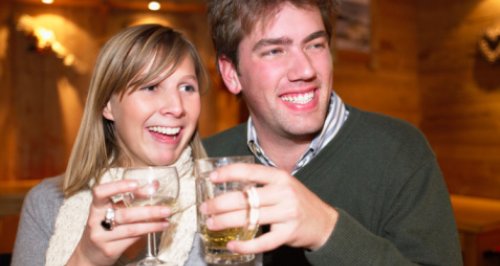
[[142, 109]]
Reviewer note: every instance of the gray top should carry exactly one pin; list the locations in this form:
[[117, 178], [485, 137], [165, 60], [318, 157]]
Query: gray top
[[36, 225]]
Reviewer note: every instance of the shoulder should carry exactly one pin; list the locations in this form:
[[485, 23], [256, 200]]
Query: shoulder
[[229, 142], [380, 127], [46, 196], [50, 185], [382, 139], [36, 223]]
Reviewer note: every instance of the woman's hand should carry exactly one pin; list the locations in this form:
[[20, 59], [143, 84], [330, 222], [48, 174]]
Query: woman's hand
[[99, 246]]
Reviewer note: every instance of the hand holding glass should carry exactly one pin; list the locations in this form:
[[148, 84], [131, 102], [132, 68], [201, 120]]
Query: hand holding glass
[[215, 242], [158, 185]]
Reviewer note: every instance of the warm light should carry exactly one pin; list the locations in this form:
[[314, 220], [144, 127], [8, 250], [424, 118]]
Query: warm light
[[48, 2], [45, 39], [154, 5]]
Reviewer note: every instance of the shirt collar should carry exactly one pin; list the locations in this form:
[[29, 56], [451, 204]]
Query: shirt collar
[[337, 114]]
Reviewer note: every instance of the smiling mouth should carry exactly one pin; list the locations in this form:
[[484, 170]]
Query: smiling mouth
[[169, 131], [301, 98]]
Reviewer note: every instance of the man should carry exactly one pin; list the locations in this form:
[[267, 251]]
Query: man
[[345, 187]]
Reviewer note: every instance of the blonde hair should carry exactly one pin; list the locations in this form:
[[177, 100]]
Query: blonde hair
[[117, 71]]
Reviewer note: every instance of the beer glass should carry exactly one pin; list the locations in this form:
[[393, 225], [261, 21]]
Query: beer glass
[[215, 242]]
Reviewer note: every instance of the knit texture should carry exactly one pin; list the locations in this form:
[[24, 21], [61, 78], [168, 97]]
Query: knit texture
[[177, 239], [383, 179]]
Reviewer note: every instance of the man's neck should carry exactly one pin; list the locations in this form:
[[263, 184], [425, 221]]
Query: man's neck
[[284, 152]]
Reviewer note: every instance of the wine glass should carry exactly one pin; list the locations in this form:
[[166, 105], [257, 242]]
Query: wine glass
[[158, 185]]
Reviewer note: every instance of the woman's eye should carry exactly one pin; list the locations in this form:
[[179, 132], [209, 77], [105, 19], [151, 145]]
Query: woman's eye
[[149, 88], [188, 88]]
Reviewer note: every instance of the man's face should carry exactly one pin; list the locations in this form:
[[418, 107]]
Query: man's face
[[286, 74]]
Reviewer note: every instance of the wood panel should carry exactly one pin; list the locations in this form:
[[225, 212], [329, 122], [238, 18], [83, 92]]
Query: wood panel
[[385, 80], [461, 93], [42, 100]]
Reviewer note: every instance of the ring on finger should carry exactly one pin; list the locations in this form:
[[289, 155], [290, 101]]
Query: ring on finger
[[108, 223], [252, 198], [253, 219], [254, 204]]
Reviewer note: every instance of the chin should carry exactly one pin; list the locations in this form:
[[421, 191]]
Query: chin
[[305, 128], [163, 161]]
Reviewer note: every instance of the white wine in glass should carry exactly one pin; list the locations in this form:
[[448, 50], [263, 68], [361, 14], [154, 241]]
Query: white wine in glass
[[158, 185]]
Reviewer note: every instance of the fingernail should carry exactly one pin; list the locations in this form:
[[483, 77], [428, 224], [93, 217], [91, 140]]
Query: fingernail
[[209, 222], [165, 212], [230, 246], [214, 176]]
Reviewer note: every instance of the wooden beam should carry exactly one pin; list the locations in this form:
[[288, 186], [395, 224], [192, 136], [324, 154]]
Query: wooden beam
[[75, 3], [166, 6]]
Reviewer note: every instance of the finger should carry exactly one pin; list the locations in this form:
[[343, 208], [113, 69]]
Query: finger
[[125, 231], [263, 243], [267, 215], [101, 193], [141, 214], [267, 196], [226, 202], [228, 220], [252, 173]]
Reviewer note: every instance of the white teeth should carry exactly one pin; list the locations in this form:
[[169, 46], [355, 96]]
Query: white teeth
[[166, 130], [300, 99]]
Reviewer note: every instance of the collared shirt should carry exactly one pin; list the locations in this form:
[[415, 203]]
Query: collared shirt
[[337, 114]]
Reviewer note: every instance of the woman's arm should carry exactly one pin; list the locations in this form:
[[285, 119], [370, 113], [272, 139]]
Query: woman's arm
[[36, 223]]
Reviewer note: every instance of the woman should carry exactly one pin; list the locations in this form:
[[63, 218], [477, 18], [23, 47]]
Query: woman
[[142, 109]]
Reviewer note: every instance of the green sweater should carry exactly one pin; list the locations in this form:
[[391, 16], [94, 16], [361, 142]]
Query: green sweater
[[383, 178]]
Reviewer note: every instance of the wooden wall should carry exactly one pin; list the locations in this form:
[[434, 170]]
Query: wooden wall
[[41, 122], [42, 99], [384, 80], [423, 68], [460, 93]]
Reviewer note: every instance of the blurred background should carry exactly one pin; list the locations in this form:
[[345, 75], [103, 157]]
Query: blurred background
[[435, 64]]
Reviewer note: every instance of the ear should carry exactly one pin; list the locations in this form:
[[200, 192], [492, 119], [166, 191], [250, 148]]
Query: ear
[[229, 74], [107, 112]]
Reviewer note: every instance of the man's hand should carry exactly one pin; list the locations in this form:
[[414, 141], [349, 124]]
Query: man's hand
[[297, 217]]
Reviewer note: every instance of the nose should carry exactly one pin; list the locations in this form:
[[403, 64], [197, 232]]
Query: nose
[[171, 103], [301, 67]]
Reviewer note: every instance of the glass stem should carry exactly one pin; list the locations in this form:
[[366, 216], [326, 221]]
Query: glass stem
[[151, 246]]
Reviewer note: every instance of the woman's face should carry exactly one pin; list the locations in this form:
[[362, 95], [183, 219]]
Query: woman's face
[[155, 122]]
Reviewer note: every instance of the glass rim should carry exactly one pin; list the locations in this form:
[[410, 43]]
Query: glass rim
[[126, 168], [214, 158]]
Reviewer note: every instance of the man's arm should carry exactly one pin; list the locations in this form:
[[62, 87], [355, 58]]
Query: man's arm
[[418, 229]]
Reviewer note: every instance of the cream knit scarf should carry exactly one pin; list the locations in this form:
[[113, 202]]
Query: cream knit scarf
[[177, 239]]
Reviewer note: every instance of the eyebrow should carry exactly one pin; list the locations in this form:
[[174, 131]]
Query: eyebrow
[[192, 77], [315, 35], [287, 41]]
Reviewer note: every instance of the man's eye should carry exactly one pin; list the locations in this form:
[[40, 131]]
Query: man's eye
[[272, 52], [319, 45]]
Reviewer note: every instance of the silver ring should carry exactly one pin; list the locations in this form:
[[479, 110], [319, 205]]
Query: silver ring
[[253, 221], [253, 198], [254, 204], [109, 219]]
